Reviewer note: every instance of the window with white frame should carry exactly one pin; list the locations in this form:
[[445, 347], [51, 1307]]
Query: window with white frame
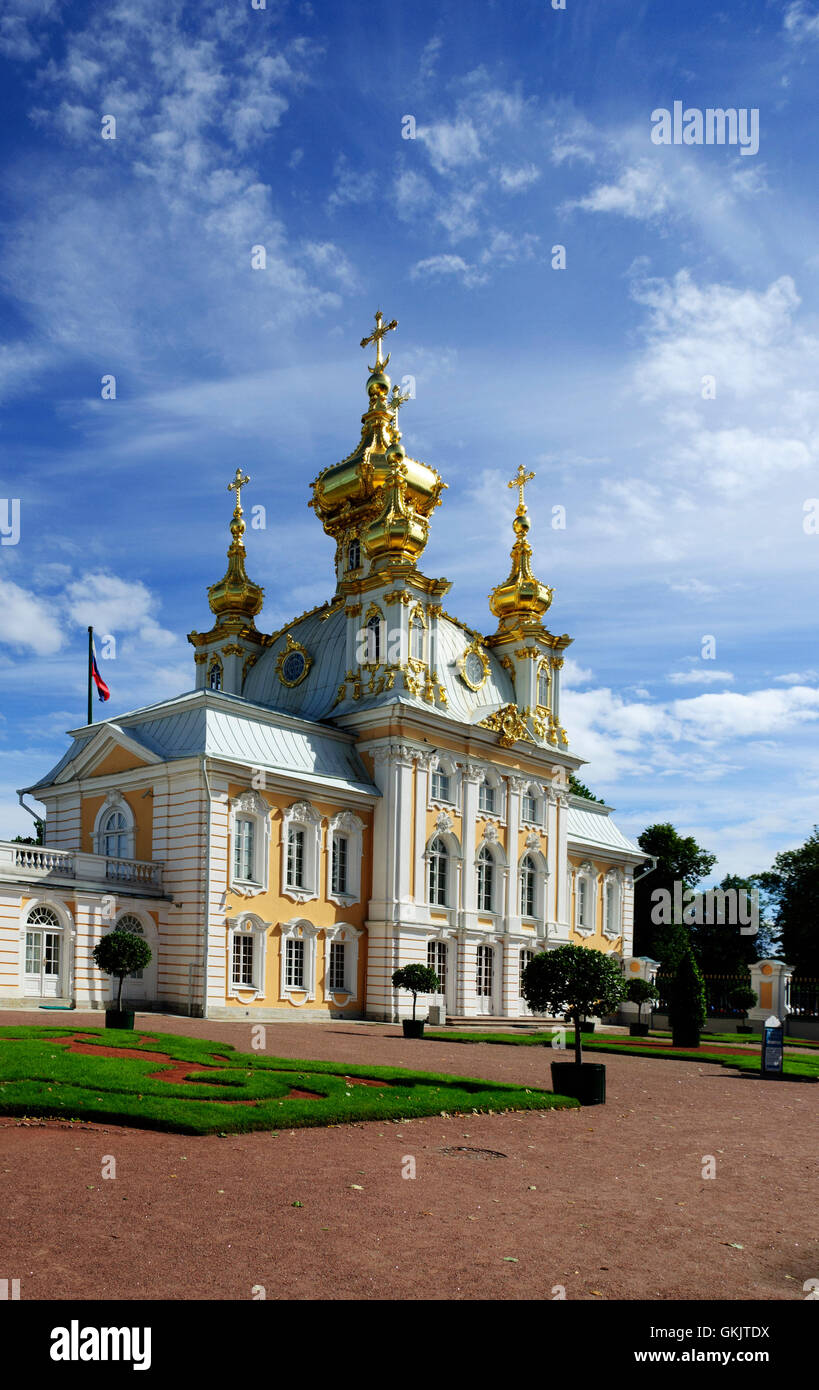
[[443, 782], [543, 686], [247, 950], [250, 843], [301, 844], [438, 873], [526, 958], [437, 961], [341, 961], [612, 904], [373, 640], [345, 847], [528, 886], [440, 785], [485, 972], [417, 635], [298, 961], [486, 880], [530, 812], [585, 898], [130, 923], [114, 829], [487, 797]]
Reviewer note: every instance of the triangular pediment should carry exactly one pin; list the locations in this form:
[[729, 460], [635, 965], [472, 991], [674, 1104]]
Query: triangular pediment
[[109, 750]]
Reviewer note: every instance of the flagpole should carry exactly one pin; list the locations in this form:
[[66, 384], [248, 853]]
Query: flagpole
[[90, 662]]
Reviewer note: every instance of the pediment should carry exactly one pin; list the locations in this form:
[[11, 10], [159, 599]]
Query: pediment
[[109, 751]]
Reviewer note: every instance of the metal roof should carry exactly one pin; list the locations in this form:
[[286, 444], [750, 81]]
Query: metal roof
[[597, 829]]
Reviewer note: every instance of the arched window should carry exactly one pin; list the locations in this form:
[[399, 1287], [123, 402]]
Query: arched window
[[585, 898], [295, 858], [344, 847], [354, 554], [543, 686], [612, 904], [301, 847], [528, 887], [486, 880], [417, 634], [440, 785], [438, 871], [130, 923], [116, 839], [373, 640], [215, 674], [250, 835]]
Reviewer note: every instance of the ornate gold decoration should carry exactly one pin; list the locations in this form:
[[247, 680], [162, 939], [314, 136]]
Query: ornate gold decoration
[[378, 333], [510, 724], [521, 599], [232, 649], [354, 610], [475, 649], [200, 658], [293, 646], [235, 597]]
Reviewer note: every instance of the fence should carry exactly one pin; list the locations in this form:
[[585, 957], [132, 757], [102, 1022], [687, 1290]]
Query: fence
[[717, 991], [803, 999]]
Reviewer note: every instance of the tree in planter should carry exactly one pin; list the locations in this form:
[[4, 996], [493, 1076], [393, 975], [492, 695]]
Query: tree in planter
[[686, 1002], [417, 979], [743, 998], [640, 992], [120, 953], [576, 979]]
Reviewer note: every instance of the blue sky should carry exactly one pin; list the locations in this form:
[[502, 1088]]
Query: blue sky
[[282, 127]]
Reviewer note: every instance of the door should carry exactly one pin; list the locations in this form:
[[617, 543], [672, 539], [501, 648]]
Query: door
[[43, 962], [485, 981], [438, 959], [140, 985]]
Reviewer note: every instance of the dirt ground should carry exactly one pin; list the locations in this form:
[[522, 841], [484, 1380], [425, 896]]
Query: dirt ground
[[608, 1202]]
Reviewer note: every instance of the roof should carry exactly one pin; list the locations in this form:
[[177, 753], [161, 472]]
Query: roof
[[211, 724], [597, 830]]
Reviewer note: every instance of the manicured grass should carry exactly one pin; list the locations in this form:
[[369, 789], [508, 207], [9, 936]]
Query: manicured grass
[[806, 1068], [44, 1078]]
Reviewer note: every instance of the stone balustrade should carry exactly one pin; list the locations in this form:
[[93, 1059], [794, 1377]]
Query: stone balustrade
[[35, 863]]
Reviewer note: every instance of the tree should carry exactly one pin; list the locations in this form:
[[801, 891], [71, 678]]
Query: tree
[[686, 1002], [743, 998], [417, 979], [35, 839], [640, 992], [720, 947], [120, 953], [578, 788], [575, 979], [792, 887], [679, 860]]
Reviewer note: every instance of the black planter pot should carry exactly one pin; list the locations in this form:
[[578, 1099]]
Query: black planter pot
[[638, 1030], [587, 1026], [744, 1028], [413, 1027], [586, 1082], [119, 1018], [685, 1037]]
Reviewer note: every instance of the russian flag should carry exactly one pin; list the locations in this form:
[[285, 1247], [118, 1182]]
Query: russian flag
[[102, 689]]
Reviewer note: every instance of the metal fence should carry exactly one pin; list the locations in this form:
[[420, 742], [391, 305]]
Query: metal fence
[[717, 991], [803, 997]]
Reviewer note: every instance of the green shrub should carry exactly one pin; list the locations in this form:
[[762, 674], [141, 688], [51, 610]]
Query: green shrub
[[120, 953], [417, 979], [641, 992], [576, 979], [743, 998], [686, 998]]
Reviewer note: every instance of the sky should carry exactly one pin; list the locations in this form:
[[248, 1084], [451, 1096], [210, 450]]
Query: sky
[[663, 384]]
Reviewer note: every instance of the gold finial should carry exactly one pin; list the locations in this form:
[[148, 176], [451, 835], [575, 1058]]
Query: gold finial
[[375, 337], [235, 597], [395, 402], [236, 486], [520, 482]]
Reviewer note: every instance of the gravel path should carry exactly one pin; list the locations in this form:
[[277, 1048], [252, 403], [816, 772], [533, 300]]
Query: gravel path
[[608, 1202]]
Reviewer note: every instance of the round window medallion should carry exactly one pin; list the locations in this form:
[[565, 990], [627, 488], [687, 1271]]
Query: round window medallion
[[293, 667], [474, 667]]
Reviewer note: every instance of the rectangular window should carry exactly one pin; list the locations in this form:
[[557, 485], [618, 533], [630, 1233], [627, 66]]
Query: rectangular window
[[436, 960], [530, 810], [525, 958], [582, 902], [527, 893], [243, 847], [440, 785], [243, 959], [484, 975], [337, 965], [485, 873], [295, 859], [294, 964], [51, 955], [33, 950], [437, 876], [339, 867], [486, 798]]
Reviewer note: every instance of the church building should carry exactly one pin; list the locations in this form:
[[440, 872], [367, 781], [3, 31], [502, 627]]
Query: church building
[[374, 784]]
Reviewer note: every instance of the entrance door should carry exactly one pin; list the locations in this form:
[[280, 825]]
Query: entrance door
[[438, 959], [43, 962], [139, 985], [485, 980]]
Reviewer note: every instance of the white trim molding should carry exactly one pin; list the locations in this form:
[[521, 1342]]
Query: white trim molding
[[301, 816], [115, 802], [584, 924], [613, 904], [346, 824], [299, 930], [346, 935], [252, 807], [248, 924]]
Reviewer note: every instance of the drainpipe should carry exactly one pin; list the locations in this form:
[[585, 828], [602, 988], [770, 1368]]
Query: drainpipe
[[30, 809], [206, 893]]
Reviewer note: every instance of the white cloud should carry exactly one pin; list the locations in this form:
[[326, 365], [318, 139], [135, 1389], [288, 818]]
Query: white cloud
[[352, 185], [450, 265], [798, 678], [112, 606], [639, 192], [27, 620], [515, 180], [800, 22], [699, 676]]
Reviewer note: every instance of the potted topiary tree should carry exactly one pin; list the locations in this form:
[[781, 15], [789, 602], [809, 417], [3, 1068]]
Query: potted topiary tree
[[120, 953], [743, 998], [578, 980], [640, 992], [417, 979], [686, 1002]]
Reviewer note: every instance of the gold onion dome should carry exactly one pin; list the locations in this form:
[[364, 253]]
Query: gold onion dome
[[379, 494], [235, 597], [522, 597]]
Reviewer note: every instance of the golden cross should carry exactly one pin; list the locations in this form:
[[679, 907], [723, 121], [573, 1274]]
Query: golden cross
[[520, 482], [237, 485], [375, 337]]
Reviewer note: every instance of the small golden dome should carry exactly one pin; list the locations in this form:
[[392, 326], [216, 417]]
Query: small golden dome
[[522, 597]]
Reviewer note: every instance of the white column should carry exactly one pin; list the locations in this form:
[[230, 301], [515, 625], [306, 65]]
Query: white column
[[512, 908], [422, 767], [472, 774], [562, 869], [392, 868]]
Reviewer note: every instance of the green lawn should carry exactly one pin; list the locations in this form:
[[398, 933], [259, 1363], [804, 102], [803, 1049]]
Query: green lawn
[[805, 1068], [40, 1077]]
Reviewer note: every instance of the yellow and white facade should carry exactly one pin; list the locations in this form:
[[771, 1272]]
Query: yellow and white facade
[[373, 784]]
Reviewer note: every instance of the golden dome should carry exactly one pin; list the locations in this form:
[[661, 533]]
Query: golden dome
[[521, 598], [235, 597]]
